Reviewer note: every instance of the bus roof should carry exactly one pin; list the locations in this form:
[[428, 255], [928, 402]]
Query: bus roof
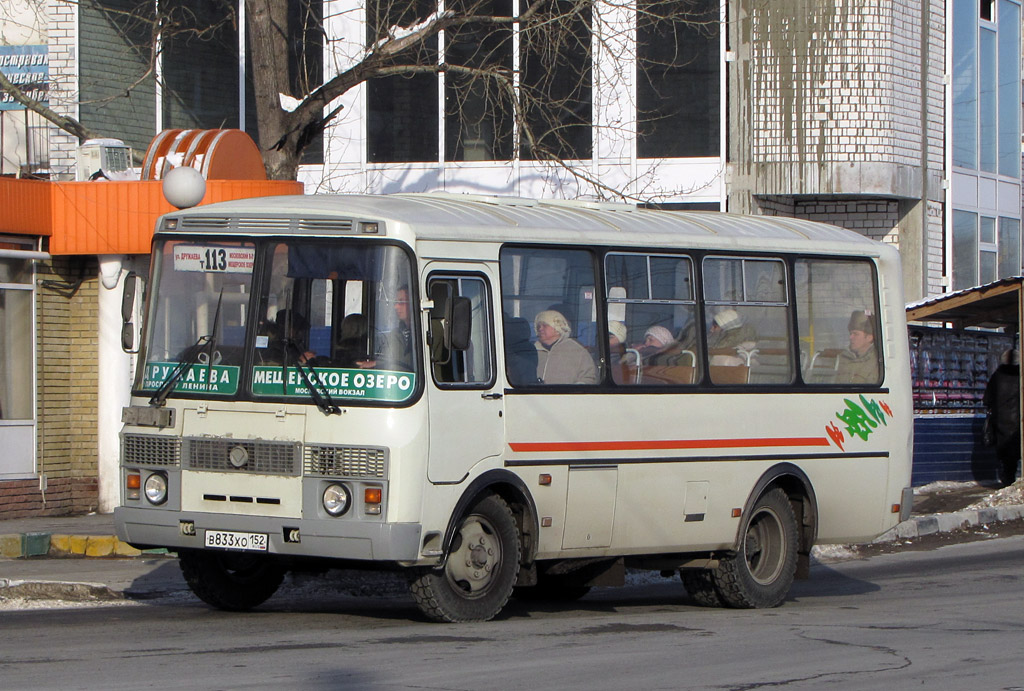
[[475, 218]]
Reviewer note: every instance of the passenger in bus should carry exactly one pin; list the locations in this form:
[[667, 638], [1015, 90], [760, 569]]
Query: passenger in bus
[[621, 360], [659, 346], [398, 348], [351, 350], [859, 364], [560, 359], [730, 339], [282, 349]]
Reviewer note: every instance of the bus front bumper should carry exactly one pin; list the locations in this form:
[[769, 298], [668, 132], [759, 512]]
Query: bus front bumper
[[331, 539]]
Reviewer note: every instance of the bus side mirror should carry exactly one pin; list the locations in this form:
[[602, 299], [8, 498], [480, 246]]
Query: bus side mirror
[[129, 311], [450, 322]]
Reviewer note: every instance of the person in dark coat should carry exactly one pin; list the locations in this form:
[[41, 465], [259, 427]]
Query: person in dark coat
[[1002, 397]]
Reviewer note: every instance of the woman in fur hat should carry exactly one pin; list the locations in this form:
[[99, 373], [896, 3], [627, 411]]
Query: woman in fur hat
[[560, 359]]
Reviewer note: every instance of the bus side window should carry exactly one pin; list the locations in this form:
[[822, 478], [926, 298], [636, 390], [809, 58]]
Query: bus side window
[[837, 316], [549, 305], [473, 366], [652, 311]]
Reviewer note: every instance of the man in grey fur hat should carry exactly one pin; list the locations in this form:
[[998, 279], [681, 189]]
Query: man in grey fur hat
[[859, 363]]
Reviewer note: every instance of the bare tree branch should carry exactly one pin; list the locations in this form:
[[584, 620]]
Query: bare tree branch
[[67, 124]]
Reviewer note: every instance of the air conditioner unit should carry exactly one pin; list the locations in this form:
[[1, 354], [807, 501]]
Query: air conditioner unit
[[103, 158]]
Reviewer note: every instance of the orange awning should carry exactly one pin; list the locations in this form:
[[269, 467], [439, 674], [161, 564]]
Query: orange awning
[[107, 217]]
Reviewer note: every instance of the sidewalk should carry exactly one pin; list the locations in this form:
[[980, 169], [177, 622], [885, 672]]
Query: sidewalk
[[80, 558]]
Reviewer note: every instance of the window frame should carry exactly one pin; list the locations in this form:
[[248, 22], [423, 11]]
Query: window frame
[[488, 305]]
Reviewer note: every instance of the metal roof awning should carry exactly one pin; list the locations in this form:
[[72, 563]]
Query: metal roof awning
[[993, 305]]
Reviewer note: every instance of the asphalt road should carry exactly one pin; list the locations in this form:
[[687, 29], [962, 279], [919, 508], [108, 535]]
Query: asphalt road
[[950, 618]]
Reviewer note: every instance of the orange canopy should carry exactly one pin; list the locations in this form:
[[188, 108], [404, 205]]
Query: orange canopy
[[107, 217]]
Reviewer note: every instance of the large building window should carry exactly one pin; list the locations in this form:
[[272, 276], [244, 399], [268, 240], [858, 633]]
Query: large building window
[[986, 87], [478, 110], [200, 64], [985, 248], [556, 83], [965, 84], [1009, 89], [402, 121], [677, 77]]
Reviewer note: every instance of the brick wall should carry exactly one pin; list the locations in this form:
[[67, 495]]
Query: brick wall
[[873, 218], [62, 497], [62, 39], [842, 81]]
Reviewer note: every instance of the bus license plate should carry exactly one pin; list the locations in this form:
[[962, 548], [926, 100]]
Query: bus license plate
[[227, 539]]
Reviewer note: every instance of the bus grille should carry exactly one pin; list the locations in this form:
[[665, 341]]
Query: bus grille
[[150, 449], [266, 457], [347, 461]]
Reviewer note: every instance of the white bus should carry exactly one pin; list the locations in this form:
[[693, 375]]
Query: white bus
[[507, 396]]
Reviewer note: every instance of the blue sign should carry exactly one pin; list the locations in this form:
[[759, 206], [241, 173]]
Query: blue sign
[[27, 67]]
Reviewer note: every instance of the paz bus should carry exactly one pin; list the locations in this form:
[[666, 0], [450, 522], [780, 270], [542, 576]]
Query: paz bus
[[511, 397]]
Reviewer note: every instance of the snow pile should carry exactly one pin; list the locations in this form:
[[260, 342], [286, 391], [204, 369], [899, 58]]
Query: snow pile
[[942, 485], [1007, 496]]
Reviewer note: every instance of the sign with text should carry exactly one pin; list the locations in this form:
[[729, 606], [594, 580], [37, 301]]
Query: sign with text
[[367, 385], [28, 69], [221, 380], [232, 260]]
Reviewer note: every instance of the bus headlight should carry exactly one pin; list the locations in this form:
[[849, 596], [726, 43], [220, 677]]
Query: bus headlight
[[156, 488], [336, 499]]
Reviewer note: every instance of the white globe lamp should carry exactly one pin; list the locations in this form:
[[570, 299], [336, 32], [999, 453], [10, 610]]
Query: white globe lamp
[[184, 187]]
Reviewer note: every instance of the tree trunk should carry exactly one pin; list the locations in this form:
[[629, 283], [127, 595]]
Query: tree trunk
[[279, 130]]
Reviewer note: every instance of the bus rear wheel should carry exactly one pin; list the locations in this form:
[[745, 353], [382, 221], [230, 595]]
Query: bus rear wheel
[[477, 578], [761, 572], [230, 580]]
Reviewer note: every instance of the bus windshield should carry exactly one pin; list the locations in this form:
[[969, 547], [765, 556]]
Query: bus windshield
[[318, 322]]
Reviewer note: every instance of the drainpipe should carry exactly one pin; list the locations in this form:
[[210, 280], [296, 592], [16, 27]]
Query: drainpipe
[[114, 381]]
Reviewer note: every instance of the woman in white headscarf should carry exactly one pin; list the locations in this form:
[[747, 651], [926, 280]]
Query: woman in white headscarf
[[729, 335], [560, 359]]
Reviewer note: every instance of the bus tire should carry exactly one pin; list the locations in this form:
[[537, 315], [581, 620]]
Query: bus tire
[[230, 581], [481, 569], [700, 585], [760, 573]]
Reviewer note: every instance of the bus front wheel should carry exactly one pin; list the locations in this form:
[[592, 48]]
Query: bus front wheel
[[230, 581], [482, 566], [760, 573]]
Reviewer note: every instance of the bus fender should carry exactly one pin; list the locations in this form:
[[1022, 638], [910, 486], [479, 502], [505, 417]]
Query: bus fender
[[805, 504], [513, 490]]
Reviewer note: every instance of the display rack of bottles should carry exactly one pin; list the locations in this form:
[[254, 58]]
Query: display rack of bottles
[[950, 368]]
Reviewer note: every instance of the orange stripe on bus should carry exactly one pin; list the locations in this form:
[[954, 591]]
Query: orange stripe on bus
[[527, 447]]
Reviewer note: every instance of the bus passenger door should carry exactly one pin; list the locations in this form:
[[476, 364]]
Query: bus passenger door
[[464, 396]]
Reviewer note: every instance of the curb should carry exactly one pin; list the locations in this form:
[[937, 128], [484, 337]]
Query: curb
[[23, 545], [57, 590], [919, 526]]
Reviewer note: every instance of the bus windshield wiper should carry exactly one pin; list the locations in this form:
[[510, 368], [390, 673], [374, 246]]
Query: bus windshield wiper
[[190, 358], [321, 399]]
